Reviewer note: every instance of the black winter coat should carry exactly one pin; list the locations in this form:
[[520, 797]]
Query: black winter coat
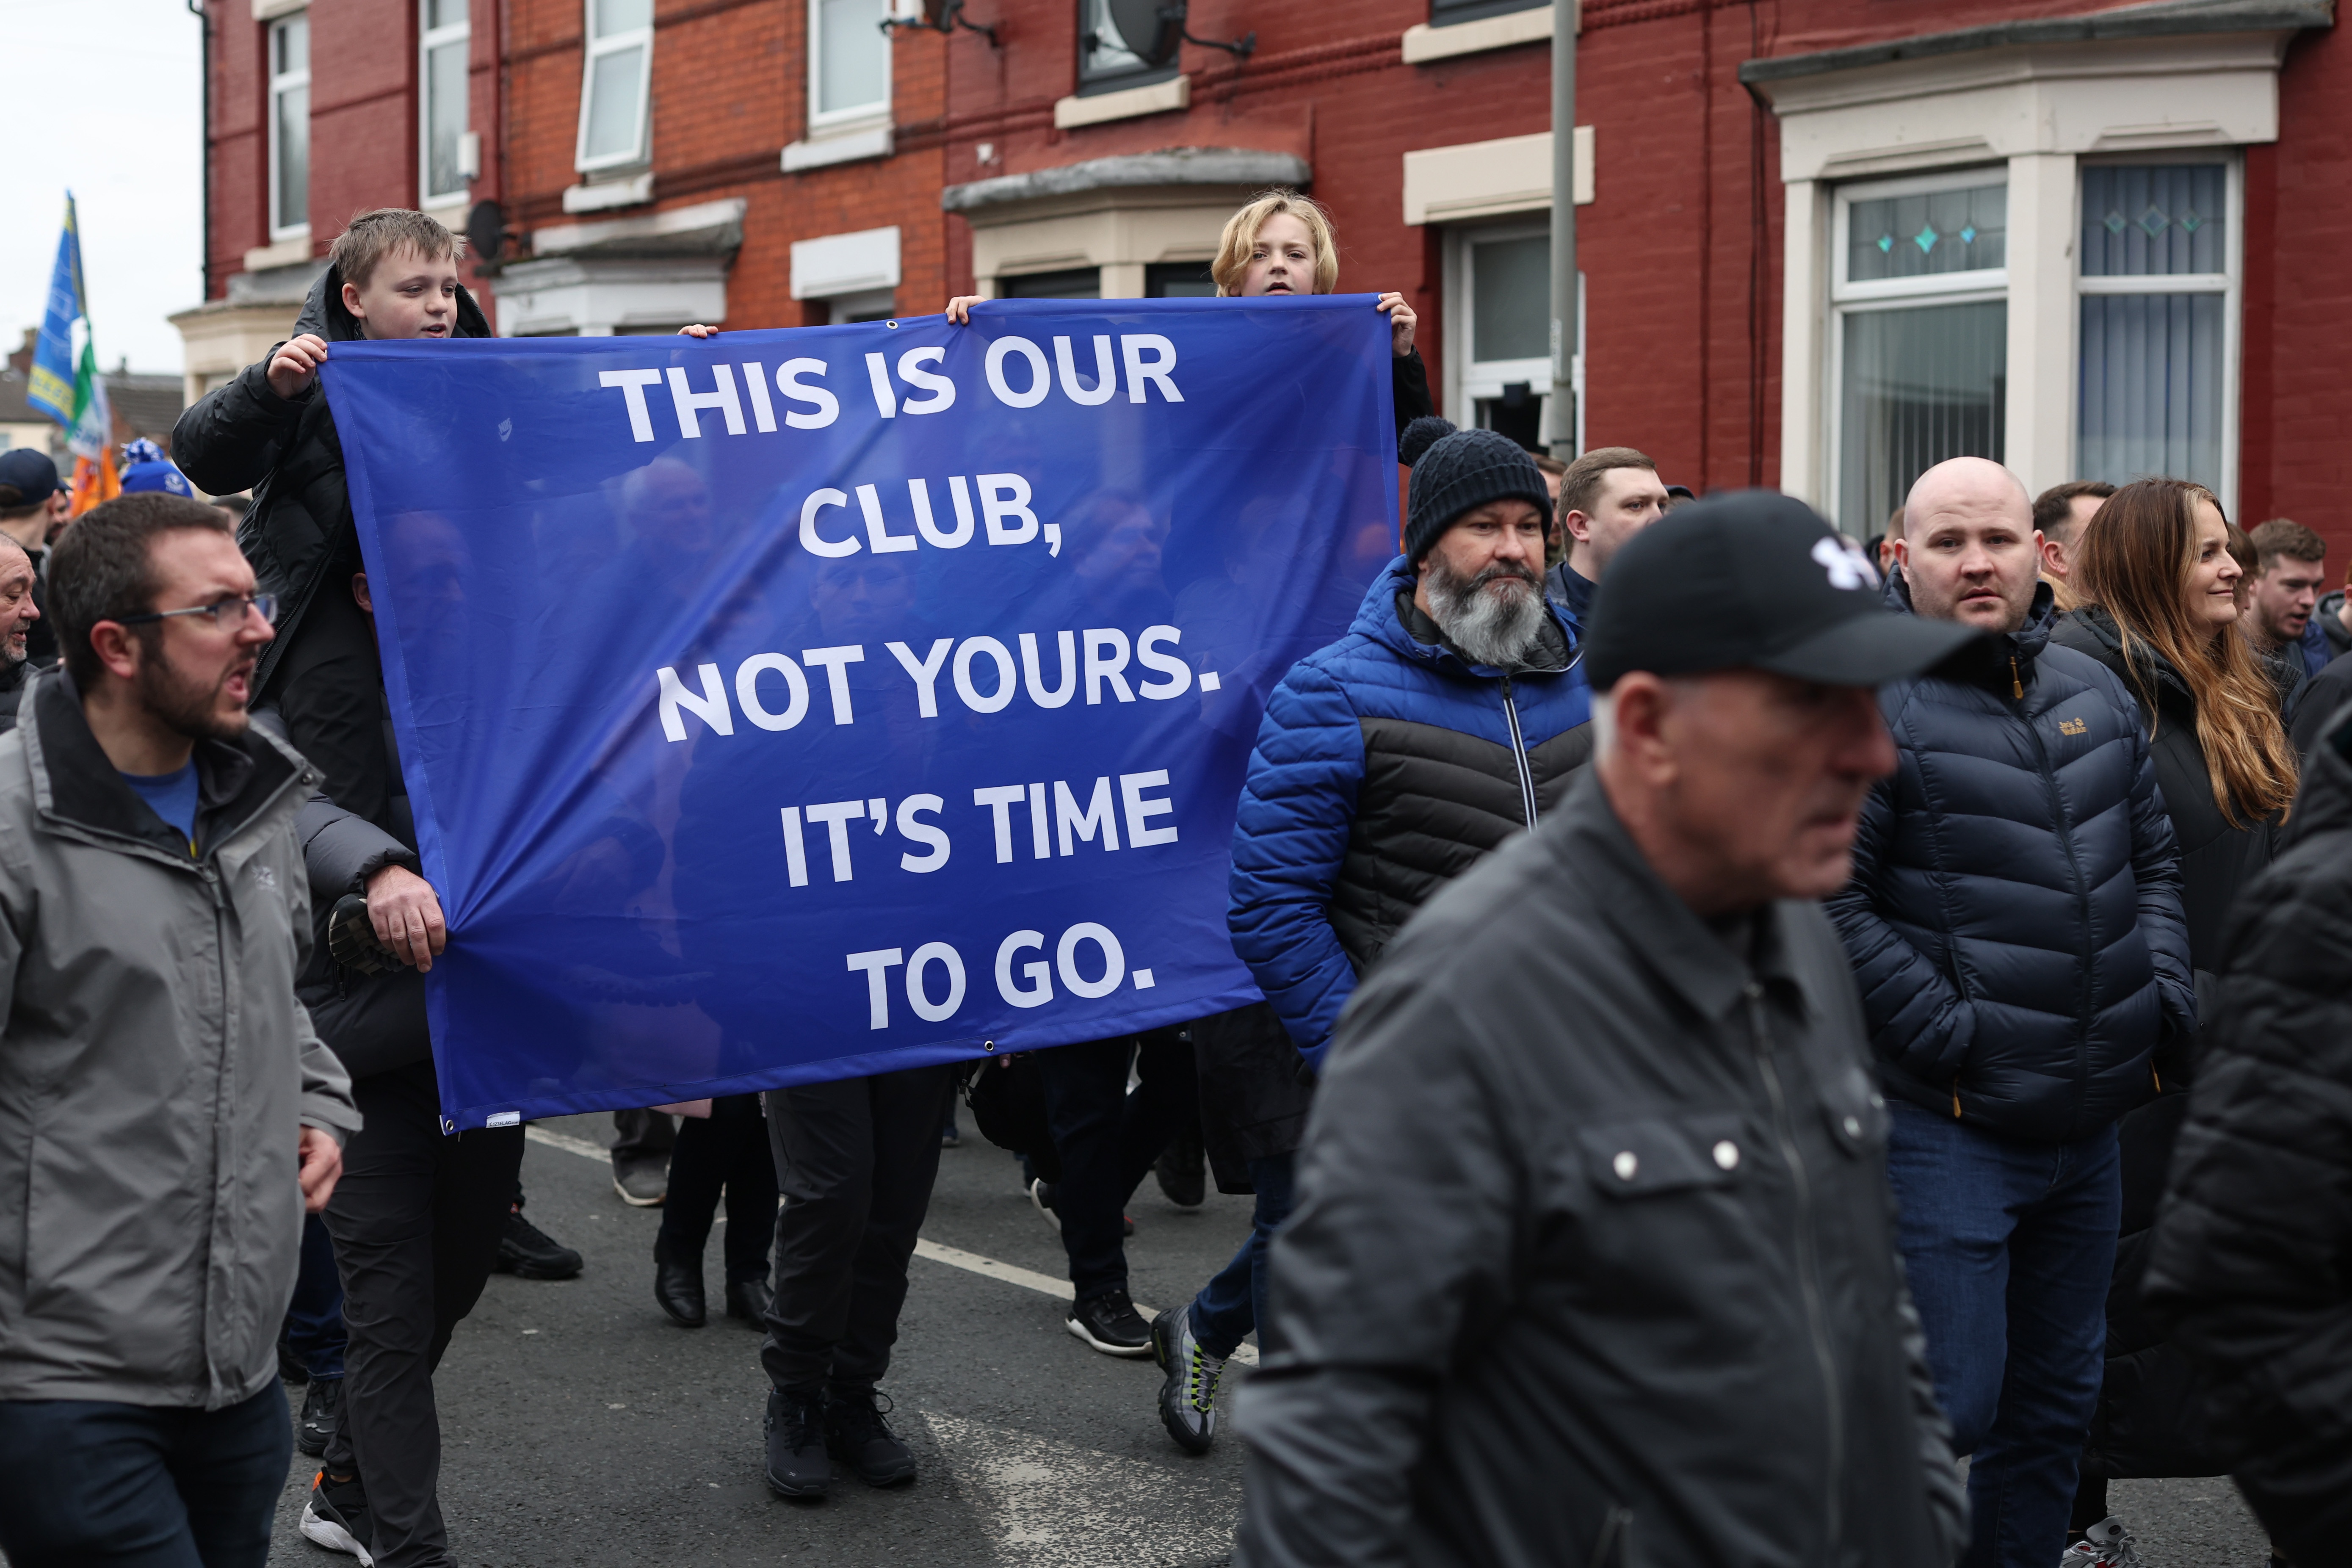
[[241, 435], [2217, 860], [2151, 1418], [2014, 916], [1594, 1261], [2250, 1269]]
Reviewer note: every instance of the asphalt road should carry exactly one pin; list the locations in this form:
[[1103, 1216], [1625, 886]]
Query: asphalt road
[[581, 1427]]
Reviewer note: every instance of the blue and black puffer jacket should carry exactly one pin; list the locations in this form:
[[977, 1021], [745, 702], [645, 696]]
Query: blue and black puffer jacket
[[2014, 916], [1385, 765]]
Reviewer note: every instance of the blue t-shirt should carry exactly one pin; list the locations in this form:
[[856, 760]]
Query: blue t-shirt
[[172, 796]]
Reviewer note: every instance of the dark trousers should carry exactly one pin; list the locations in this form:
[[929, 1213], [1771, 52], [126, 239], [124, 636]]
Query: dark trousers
[[89, 1484], [2009, 1248], [314, 1318], [1233, 1303], [857, 1159], [643, 1134], [1106, 1139], [416, 1219], [727, 1150]]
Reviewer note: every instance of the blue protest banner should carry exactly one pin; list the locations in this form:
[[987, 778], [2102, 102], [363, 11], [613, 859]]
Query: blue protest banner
[[796, 705]]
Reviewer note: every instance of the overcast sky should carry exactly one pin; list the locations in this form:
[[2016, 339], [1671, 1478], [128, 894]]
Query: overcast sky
[[104, 100]]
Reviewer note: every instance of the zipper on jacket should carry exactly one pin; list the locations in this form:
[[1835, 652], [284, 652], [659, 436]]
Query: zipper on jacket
[[2083, 903], [1808, 1258], [1520, 755], [2016, 681]]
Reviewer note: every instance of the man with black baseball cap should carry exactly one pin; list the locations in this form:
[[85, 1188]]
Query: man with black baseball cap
[[1592, 1258]]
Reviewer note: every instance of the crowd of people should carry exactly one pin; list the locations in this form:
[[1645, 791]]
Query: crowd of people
[[1715, 1072]]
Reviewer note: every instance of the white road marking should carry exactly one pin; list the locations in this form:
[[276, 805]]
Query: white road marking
[[568, 1143], [953, 1257], [1050, 1503]]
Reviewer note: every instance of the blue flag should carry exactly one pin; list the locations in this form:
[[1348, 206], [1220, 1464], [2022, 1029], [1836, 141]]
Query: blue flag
[[51, 386], [799, 705]]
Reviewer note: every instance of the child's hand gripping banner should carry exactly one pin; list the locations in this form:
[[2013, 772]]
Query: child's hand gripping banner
[[798, 705]]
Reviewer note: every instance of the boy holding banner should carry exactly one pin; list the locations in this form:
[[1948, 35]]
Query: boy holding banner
[[391, 274]]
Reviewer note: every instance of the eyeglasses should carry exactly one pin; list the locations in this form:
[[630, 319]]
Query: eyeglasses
[[234, 608]]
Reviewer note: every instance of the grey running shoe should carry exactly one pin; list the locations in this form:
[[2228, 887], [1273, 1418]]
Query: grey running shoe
[[2106, 1544], [1188, 1396], [642, 1182]]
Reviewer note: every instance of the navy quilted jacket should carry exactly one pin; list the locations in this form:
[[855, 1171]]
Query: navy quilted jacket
[[1384, 767], [2014, 916]]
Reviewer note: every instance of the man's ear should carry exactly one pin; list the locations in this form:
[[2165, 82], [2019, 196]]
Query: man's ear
[[1579, 526], [118, 649], [352, 301], [360, 592]]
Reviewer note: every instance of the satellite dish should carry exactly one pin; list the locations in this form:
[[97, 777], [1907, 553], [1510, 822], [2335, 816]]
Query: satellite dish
[[1151, 29], [486, 230]]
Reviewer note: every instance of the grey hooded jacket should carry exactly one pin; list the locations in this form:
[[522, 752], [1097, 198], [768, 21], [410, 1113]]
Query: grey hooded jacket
[[155, 1068], [1593, 1257]]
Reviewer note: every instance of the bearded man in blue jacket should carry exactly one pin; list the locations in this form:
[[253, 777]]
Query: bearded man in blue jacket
[[1451, 716], [2015, 924]]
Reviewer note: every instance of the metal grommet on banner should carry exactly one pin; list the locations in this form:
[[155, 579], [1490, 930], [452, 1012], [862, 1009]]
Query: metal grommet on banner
[[988, 1045], [447, 1125], [892, 325]]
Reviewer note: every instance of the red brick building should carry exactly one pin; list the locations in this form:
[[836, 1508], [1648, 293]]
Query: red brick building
[[1823, 242]]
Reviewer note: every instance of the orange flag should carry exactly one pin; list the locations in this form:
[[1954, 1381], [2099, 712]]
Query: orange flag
[[95, 483]]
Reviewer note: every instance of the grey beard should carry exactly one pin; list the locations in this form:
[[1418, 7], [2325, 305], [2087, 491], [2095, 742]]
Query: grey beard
[[1485, 628]]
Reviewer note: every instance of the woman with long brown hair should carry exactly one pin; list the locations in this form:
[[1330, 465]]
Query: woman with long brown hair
[[2159, 587]]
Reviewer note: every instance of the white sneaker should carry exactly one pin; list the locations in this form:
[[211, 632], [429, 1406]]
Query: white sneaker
[[2106, 1544]]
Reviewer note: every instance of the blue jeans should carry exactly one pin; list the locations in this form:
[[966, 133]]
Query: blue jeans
[[90, 1484], [314, 1318], [2009, 1249], [1233, 1303]]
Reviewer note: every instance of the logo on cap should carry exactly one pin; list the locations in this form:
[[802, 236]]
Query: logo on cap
[[1848, 567]]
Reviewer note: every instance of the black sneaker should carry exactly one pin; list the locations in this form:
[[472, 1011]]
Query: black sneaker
[[1180, 1168], [1041, 1192], [797, 1466], [322, 1408], [528, 1252], [855, 1434], [1110, 1324], [336, 1517]]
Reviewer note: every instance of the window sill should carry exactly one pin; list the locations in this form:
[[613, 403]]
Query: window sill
[[293, 249], [825, 149], [630, 193], [1159, 98], [449, 212], [1424, 43]]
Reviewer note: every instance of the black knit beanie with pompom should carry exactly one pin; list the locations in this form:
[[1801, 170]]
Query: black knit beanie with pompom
[[1455, 471]]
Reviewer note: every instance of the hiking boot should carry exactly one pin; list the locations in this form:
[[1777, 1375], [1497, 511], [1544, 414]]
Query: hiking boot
[[855, 1434], [336, 1517], [1188, 1397], [1110, 1324], [1180, 1169], [322, 1409], [796, 1466], [2106, 1544], [528, 1252]]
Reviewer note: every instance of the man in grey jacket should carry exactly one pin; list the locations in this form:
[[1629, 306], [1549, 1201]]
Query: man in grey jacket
[[167, 1113], [1593, 1259]]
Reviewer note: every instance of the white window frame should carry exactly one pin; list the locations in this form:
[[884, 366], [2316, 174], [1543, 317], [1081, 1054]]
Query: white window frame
[[860, 114], [1848, 298], [2228, 284], [1469, 379], [427, 40], [596, 48], [279, 85]]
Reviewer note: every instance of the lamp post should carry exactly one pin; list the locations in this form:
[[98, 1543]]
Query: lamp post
[[1565, 345]]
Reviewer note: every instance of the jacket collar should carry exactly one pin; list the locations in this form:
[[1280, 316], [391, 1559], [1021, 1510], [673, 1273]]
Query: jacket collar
[[1389, 601], [2144, 665], [1987, 662], [1681, 951], [1569, 589], [76, 785]]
